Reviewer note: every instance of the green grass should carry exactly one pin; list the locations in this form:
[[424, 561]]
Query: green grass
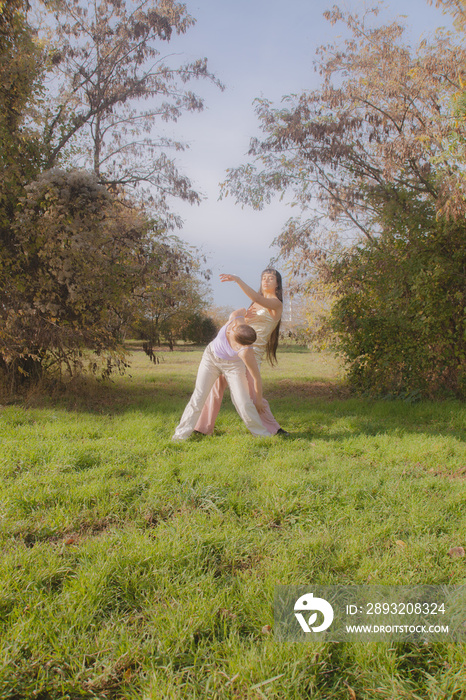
[[136, 568]]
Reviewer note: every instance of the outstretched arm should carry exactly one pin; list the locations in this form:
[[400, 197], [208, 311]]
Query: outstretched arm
[[249, 359], [267, 302]]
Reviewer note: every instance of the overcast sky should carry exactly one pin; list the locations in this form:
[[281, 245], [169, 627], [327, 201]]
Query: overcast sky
[[257, 48]]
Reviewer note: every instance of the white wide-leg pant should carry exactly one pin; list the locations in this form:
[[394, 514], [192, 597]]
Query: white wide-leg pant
[[210, 368]]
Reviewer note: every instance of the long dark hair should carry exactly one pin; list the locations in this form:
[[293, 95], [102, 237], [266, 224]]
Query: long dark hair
[[272, 343]]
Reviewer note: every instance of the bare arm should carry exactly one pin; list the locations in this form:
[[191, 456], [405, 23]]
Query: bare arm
[[267, 302], [249, 359], [239, 313]]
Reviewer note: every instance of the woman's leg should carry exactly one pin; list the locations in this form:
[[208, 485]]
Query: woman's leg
[[236, 378], [206, 422], [207, 374], [268, 421]]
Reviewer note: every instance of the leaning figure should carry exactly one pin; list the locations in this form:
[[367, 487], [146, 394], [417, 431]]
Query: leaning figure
[[230, 354], [264, 316]]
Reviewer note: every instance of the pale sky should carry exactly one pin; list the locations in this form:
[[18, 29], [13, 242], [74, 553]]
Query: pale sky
[[257, 48]]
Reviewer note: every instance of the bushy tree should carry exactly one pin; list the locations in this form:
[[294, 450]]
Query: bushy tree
[[201, 329], [377, 144], [79, 256], [73, 246], [400, 306]]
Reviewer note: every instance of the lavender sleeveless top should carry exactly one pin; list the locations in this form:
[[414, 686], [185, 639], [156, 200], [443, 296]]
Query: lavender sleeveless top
[[221, 347]]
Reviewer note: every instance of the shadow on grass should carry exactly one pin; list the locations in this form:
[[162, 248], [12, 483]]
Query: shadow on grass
[[164, 393], [315, 406], [89, 395], [395, 419]]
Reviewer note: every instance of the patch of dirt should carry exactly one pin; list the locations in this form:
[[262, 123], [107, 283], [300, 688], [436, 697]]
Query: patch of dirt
[[68, 538]]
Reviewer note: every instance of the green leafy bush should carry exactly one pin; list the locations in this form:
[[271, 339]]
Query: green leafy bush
[[400, 314]]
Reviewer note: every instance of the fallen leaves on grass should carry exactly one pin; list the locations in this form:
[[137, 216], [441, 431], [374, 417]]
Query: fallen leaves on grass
[[351, 692], [70, 540]]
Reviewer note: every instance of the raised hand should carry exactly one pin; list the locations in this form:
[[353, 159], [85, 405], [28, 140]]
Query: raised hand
[[229, 278]]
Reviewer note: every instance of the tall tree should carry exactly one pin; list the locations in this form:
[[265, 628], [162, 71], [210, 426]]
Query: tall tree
[[21, 69], [20, 73], [73, 245], [456, 144], [380, 121], [376, 154], [109, 58]]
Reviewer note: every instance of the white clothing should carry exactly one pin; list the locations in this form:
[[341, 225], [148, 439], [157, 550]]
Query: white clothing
[[211, 367]]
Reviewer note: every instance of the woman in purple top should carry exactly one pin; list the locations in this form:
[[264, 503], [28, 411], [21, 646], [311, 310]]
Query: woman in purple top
[[229, 354]]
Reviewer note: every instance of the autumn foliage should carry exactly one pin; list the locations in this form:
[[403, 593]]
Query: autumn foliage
[[374, 158], [79, 257], [87, 183]]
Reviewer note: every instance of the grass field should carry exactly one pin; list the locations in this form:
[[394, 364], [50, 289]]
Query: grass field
[[137, 568]]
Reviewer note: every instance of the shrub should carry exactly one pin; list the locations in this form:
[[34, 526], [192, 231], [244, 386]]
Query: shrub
[[400, 311]]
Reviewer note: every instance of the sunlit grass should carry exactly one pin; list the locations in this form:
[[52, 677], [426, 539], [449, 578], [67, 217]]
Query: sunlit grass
[[133, 567]]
